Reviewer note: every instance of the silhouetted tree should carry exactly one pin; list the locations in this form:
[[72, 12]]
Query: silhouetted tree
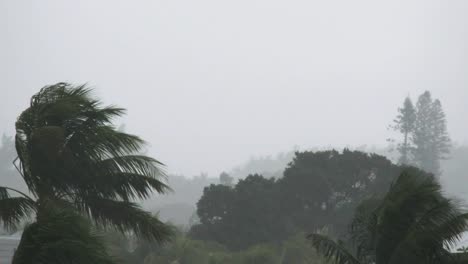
[[238, 217], [322, 188], [404, 123], [430, 137], [75, 163]]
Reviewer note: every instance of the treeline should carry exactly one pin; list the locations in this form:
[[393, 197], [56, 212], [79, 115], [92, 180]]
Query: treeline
[[318, 190]]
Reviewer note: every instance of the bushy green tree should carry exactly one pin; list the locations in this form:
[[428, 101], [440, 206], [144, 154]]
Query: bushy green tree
[[322, 188], [246, 210]]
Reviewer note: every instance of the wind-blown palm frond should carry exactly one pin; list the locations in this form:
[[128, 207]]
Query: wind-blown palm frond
[[69, 150], [363, 228], [126, 186], [126, 177], [14, 209], [410, 214], [333, 251], [125, 216], [435, 231], [61, 236], [413, 223]]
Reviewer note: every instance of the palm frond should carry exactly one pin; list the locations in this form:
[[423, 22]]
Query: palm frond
[[332, 251], [444, 222], [125, 186], [363, 228], [124, 216], [24, 167], [69, 150], [14, 209], [126, 177], [103, 141], [409, 198], [136, 164]]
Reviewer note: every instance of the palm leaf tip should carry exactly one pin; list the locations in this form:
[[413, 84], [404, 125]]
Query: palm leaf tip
[[14, 209], [331, 250], [125, 216]]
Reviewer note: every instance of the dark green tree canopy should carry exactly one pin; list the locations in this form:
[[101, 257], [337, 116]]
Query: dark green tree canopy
[[318, 189], [239, 210]]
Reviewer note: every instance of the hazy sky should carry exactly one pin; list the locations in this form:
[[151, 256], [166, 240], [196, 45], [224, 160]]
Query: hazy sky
[[211, 82]]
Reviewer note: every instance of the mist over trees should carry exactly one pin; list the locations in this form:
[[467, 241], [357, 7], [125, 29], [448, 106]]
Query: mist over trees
[[424, 130], [268, 166], [258, 212], [178, 206], [257, 132]]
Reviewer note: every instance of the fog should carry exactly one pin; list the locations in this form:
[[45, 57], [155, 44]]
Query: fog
[[264, 113], [210, 84]]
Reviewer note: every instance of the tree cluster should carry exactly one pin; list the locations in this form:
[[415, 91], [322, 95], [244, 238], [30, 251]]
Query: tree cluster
[[317, 190], [424, 130]]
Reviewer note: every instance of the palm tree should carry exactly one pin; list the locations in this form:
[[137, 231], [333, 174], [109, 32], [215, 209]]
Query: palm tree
[[74, 161], [61, 236], [412, 223]]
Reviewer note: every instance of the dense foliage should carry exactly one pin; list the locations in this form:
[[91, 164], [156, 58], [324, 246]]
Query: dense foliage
[[318, 189], [413, 223]]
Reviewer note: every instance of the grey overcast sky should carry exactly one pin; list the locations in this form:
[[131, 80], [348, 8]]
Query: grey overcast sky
[[211, 82]]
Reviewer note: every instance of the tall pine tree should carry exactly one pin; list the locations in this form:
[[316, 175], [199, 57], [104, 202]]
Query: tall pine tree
[[430, 136], [404, 123], [424, 129]]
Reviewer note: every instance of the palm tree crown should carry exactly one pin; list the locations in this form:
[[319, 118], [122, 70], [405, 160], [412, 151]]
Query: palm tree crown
[[412, 223], [70, 155]]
